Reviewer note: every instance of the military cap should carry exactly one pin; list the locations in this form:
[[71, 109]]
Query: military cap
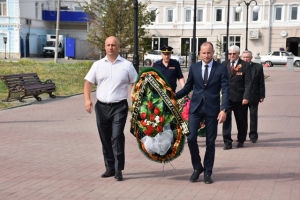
[[166, 49]]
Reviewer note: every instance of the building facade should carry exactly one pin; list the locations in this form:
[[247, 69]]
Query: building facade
[[25, 24], [275, 26]]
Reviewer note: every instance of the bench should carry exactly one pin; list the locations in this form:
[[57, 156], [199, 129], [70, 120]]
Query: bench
[[23, 85]]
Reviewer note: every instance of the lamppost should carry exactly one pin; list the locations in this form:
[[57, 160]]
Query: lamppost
[[135, 37], [186, 51], [239, 10], [193, 52], [5, 41]]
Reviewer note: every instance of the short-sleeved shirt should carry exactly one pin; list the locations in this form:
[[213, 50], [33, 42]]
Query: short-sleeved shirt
[[172, 72], [112, 79]]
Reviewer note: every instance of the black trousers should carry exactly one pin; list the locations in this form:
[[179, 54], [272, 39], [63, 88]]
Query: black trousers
[[253, 108], [111, 121], [211, 123], [240, 113]]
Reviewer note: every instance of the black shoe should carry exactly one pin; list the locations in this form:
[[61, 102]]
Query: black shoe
[[240, 145], [108, 173], [204, 135], [119, 176], [253, 140], [227, 146], [196, 174], [207, 179]]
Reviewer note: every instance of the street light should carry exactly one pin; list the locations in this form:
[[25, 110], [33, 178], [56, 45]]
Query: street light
[[239, 10], [5, 41], [135, 37], [186, 51]]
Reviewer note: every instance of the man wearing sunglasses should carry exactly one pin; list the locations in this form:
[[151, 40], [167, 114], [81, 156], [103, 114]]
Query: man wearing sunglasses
[[239, 85], [169, 68]]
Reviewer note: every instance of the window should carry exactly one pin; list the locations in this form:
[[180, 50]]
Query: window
[[188, 15], [219, 15], [36, 10], [233, 40], [78, 8], [237, 16], [169, 15], [255, 15], [2, 44], [153, 14], [200, 15], [64, 8], [278, 13], [3, 8], [159, 42], [294, 12]]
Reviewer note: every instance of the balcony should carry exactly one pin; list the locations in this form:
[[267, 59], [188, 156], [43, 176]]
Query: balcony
[[65, 16]]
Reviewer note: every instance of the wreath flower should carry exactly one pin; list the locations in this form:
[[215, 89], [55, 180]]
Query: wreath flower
[[184, 108], [152, 115]]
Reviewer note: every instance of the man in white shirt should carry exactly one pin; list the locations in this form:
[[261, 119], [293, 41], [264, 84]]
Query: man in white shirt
[[113, 74]]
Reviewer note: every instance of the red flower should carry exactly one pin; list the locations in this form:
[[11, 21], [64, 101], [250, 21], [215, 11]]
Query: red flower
[[152, 117], [150, 105], [185, 111], [162, 119], [159, 129], [150, 128], [143, 123], [148, 132], [143, 115], [156, 111]]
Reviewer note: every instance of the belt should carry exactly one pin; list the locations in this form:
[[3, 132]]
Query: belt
[[113, 104]]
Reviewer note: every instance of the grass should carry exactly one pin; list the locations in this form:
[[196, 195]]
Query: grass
[[68, 77]]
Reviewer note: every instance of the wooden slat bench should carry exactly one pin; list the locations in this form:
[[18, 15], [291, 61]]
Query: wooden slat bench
[[24, 85]]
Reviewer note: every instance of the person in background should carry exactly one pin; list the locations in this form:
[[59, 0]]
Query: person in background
[[257, 93], [169, 68], [206, 78], [113, 74], [239, 84]]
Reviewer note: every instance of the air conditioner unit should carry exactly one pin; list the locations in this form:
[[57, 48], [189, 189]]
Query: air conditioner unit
[[253, 34]]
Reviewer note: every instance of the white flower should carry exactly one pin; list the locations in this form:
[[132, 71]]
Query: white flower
[[157, 119]]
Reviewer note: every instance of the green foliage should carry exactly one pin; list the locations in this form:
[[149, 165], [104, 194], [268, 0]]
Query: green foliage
[[68, 77], [115, 18], [219, 47]]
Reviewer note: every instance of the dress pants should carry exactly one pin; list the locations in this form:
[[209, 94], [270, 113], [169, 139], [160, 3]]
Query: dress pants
[[253, 108], [240, 113], [211, 123], [111, 121]]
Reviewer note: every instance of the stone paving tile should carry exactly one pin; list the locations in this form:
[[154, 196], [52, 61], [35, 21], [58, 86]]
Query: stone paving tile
[[51, 150]]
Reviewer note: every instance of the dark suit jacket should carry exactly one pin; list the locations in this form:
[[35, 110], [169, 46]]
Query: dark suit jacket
[[257, 89], [240, 81], [217, 80]]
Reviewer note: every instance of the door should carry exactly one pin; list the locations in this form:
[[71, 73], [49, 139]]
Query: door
[[70, 47]]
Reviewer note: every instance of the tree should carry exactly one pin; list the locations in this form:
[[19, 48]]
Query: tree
[[219, 47], [115, 18]]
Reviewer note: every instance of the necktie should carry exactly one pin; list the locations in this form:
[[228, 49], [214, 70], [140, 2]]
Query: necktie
[[232, 68], [205, 74]]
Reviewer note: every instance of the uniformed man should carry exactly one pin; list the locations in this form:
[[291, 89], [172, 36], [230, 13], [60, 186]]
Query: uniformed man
[[170, 68]]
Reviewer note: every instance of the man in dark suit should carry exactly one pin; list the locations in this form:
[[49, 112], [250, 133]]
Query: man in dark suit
[[257, 93], [206, 78], [239, 84]]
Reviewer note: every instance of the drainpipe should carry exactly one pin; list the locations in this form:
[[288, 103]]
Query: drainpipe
[[270, 23]]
